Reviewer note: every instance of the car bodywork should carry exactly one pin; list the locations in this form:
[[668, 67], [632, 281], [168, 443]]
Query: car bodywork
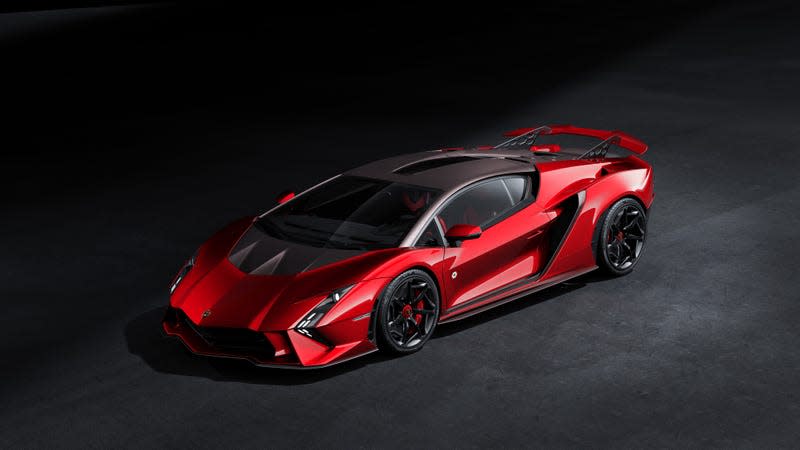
[[246, 294]]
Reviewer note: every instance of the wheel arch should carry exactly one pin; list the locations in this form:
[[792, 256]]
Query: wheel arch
[[633, 196], [598, 220]]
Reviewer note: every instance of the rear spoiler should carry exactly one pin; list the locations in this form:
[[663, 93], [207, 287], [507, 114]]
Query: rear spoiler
[[526, 136]]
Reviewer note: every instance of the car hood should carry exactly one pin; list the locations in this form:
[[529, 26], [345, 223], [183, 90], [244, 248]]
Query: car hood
[[258, 253], [243, 278]]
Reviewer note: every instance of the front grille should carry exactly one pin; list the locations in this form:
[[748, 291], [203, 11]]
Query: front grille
[[235, 340]]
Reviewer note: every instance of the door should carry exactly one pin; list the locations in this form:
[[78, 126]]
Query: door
[[507, 250]]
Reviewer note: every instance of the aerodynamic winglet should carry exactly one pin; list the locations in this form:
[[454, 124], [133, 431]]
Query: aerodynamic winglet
[[623, 139]]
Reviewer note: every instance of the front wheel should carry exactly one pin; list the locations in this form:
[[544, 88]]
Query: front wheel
[[621, 237], [407, 312]]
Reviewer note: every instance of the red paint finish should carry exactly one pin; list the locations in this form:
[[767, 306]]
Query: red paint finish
[[284, 197], [481, 267], [506, 252], [550, 148], [463, 232]]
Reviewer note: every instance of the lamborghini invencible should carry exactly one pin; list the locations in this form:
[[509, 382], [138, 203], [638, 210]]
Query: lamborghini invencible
[[376, 257]]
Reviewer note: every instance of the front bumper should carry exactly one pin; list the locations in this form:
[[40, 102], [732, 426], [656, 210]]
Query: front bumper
[[286, 349]]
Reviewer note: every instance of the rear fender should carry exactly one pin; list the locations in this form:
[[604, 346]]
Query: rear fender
[[577, 251]]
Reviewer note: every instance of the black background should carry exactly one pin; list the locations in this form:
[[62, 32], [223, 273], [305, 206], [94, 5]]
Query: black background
[[131, 133]]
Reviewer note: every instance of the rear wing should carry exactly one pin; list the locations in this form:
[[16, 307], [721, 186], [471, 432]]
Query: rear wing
[[527, 137]]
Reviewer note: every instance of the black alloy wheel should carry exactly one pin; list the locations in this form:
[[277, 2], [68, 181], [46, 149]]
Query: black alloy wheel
[[408, 312], [622, 236]]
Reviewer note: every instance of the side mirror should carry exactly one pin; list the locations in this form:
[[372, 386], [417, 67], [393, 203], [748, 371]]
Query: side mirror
[[284, 197], [462, 232]]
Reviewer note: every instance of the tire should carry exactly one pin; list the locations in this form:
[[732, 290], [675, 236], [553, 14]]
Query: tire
[[407, 313], [621, 236]]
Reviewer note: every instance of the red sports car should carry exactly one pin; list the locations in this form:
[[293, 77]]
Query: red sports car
[[375, 257]]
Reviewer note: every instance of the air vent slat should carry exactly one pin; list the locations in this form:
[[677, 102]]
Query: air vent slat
[[434, 163]]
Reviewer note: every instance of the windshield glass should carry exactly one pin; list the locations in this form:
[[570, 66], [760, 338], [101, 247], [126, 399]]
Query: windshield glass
[[351, 213]]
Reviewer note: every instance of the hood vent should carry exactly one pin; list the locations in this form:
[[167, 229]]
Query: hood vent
[[434, 163], [257, 253]]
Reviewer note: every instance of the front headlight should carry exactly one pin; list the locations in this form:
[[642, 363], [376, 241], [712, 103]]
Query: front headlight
[[187, 266], [311, 320]]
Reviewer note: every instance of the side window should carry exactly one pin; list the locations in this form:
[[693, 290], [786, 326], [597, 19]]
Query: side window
[[431, 237], [516, 188], [477, 206]]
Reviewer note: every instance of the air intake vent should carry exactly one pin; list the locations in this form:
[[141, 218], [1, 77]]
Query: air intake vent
[[234, 340], [429, 164]]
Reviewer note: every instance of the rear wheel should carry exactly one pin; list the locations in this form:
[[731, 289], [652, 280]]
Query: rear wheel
[[407, 313], [621, 237]]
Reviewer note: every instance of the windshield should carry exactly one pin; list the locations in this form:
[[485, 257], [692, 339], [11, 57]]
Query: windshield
[[351, 213]]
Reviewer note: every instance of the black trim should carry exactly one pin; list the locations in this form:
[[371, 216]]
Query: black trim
[[235, 340], [373, 324], [562, 224], [287, 366], [599, 151], [552, 282], [596, 233], [313, 333], [524, 140], [438, 230]]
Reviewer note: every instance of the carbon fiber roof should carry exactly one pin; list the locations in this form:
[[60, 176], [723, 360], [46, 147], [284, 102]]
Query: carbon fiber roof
[[467, 165]]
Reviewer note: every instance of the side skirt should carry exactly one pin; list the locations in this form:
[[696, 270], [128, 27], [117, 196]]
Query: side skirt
[[544, 285]]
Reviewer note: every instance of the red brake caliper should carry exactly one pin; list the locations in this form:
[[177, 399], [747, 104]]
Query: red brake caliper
[[408, 310], [418, 317]]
